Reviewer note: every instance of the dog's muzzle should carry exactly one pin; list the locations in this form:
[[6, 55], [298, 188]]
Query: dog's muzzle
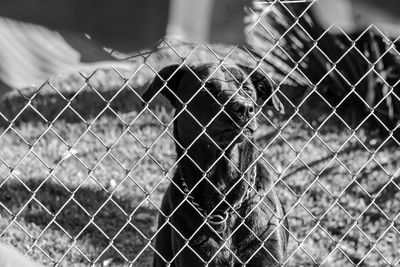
[[241, 110]]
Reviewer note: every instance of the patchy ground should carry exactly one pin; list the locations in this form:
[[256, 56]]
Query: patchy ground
[[75, 192]]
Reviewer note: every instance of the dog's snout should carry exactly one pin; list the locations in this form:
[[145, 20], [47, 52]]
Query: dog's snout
[[243, 109]]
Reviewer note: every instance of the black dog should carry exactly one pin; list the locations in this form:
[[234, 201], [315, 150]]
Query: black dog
[[220, 209]]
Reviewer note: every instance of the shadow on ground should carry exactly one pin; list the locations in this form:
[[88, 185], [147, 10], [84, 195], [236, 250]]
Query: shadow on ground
[[103, 227]]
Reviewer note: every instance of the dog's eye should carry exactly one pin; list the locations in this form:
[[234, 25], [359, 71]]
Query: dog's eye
[[206, 91], [205, 88], [247, 90]]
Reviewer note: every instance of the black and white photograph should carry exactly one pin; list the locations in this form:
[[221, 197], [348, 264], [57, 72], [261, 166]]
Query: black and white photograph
[[187, 133]]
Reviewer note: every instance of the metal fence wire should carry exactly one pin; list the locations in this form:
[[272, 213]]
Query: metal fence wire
[[85, 161]]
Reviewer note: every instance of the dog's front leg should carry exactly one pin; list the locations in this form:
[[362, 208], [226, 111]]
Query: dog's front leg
[[163, 243]]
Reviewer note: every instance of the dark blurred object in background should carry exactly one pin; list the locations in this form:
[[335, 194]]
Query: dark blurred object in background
[[356, 15], [43, 38], [353, 68], [125, 25]]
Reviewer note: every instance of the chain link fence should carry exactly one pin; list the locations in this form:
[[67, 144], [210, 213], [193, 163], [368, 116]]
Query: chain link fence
[[84, 166]]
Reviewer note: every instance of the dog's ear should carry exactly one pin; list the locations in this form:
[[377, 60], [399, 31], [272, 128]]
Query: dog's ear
[[264, 87], [166, 82]]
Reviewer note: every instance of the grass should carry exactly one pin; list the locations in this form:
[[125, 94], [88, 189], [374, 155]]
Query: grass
[[69, 187], [77, 196]]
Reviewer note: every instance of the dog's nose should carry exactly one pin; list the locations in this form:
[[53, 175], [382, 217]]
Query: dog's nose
[[243, 109]]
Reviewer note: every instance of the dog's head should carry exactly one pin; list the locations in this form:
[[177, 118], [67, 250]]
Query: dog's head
[[215, 121]]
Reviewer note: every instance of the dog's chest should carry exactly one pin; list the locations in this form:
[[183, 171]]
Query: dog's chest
[[241, 240], [224, 249], [218, 251]]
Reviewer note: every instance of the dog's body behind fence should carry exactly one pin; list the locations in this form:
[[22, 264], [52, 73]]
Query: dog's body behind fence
[[220, 209], [257, 241]]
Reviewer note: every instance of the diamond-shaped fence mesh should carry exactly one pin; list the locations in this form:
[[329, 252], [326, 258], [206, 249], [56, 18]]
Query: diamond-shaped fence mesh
[[85, 160]]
